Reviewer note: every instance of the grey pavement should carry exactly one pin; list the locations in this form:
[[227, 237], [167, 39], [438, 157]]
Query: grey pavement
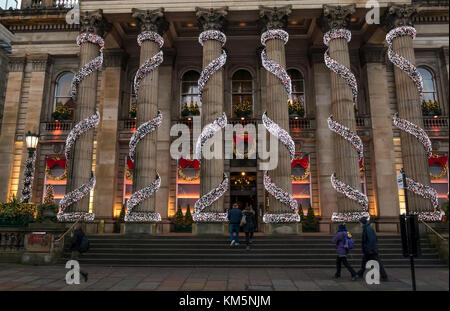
[[52, 278]]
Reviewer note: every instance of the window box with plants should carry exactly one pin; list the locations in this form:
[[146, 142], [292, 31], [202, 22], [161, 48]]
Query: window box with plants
[[183, 223], [132, 112], [16, 214], [243, 109], [61, 113], [190, 111], [431, 108], [296, 109]]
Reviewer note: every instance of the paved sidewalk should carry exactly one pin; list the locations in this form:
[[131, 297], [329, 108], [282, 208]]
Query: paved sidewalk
[[45, 278]]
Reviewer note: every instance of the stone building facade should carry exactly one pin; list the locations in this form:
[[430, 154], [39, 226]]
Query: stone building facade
[[45, 57]]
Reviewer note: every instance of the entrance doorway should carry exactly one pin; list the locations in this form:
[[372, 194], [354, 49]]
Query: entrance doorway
[[243, 192]]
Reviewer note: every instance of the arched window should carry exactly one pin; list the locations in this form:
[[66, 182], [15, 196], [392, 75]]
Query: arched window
[[429, 85], [62, 92], [189, 89], [242, 94], [298, 85]]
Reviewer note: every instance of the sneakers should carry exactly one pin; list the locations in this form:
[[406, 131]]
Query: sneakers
[[237, 244], [354, 278], [232, 243], [85, 275], [248, 247]]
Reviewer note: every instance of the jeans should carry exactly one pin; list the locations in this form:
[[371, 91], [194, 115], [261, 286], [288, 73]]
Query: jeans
[[365, 259], [343, 259], [248, 237], [234, 228]]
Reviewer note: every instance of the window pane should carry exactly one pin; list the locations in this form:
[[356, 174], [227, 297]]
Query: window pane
[[242, 86], [242, 98], [428, 85], [297, 86], [63, 85], [295, 74], [426, 74], [189, 88], [191, 76], [242, 75]]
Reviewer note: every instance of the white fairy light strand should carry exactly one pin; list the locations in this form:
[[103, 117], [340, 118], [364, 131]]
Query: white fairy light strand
[[270, 65], [145, 128], [405, 65], [336, 67], [348, 135], [28, 179], [208, 199], [209, 131], [216, 63]]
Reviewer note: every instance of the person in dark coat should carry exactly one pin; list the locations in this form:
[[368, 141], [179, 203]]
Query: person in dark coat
[[77, 237], [339, 239], [249, 227], [369, 248], [235, 217]]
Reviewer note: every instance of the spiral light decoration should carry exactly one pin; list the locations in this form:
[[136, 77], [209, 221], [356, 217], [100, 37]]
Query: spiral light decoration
[[208, 132], [80, 128], [281, 134], [145, 128], [341, 187], [28, 179], [405, 65]]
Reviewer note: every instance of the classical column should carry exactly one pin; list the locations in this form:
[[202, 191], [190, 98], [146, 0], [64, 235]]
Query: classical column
[[211, 170], [409, 105], [107, 143], [384, 175], [145, 160], [324, 139], [9, 125], [277, 107], [80, 164], [342, 107]]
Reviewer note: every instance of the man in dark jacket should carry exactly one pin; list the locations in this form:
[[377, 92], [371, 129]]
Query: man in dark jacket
[[77, 237], [369, 248], [339, 239], [250, 223], [234, 217]]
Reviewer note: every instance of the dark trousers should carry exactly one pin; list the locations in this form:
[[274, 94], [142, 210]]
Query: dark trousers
[[365, 259], [343, 260], [76, 256], [248, 237]]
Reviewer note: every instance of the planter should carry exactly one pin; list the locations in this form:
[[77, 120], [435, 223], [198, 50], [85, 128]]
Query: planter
[[243, 115], [182, 228], [309, 227], [20, 221]]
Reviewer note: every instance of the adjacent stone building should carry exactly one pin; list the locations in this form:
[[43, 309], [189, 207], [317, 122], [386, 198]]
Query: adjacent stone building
[[45, 57]]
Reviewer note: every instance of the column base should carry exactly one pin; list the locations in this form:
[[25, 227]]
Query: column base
[[283, 229], [142, 228], [209, 228]]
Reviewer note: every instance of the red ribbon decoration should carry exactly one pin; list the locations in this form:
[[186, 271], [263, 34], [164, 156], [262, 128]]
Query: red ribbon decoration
[[361, 162], [52, 162], [246, 138], [194, 163], [441, 160], [303, 162], [130, 163]]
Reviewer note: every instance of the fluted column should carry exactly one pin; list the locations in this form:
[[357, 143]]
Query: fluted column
[[80, 165], [277, 107], [145, 162], [409, 105], [211, 170], [342, 108]]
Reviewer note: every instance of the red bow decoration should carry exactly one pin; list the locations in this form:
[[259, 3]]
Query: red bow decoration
[[441, 160], [361, 162], [194, 163], [247, 138], [52, 162], [130, 163], [303, 162]]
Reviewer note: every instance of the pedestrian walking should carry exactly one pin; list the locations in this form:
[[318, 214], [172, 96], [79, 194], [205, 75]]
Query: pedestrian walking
[[234, 217], [249, 226], [80, 244], [370, 248], [344, 243]]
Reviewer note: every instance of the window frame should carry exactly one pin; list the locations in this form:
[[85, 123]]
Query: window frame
[[252, 93], [433, 79], [304, 85], [188, 94], [55, 97]]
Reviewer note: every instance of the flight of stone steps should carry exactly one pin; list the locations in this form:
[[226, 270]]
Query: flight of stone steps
[[187, 251]]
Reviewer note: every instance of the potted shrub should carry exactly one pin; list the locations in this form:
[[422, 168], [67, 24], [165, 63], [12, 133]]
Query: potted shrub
[[120, 221], [17, 214], [133, 111], [61, 112], [178, 220], [296, 109], [431, 108], [243, 110], [47, 211], [190, 111], [310, 222]]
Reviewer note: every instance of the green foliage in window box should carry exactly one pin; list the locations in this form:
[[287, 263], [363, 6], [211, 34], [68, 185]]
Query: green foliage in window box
[[296, 109], [430, 108], [243, 109], [133, 111], [61, 112], [191, 110]]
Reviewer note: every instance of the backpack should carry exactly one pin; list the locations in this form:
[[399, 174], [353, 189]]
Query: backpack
[[349, 243], [84, 245]]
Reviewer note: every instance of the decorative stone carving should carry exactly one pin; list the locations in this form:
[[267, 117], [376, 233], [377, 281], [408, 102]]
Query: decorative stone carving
[[93, 22], [273, 17], [16, 63], [336, 16], [373, 54], [212, 19], [39, 62], [399, 15], [151, 20]]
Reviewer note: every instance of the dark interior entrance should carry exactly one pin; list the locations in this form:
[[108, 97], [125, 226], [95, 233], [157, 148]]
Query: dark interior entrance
[[243, 191]]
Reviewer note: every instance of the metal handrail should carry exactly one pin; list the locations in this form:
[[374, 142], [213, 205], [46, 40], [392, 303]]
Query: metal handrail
[[432, 230], [58, 239]]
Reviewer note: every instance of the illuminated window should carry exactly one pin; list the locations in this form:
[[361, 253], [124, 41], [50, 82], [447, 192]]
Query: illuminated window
[[301, 181], [439, 175], [298, 85], [429, 85], [189, 89], [188, 184], [62, 92], [55, 176], [242, 94]]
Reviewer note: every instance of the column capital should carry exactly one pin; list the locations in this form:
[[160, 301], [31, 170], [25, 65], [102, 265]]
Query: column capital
[[16, 63], [93, 22], [373, 54], [273, 17], [151, 20], [336, 17], [211, 19], [398, 15], [39, 61]]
